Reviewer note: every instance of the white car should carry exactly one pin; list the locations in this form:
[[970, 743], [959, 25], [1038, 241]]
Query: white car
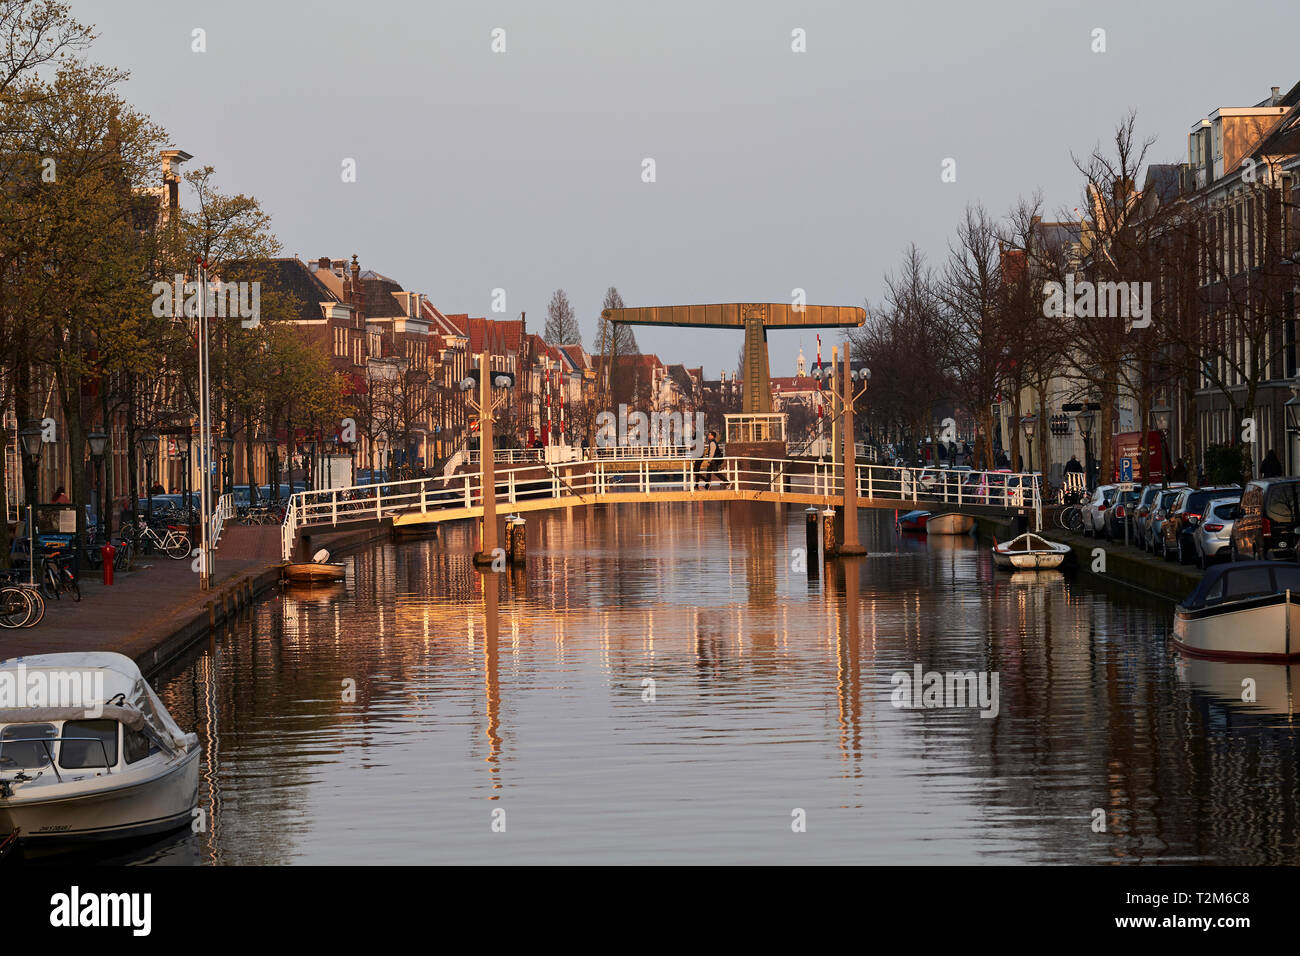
[[1213, 534], [1094, 511]]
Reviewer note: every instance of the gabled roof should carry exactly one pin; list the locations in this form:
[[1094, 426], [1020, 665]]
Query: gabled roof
[[290, 277]]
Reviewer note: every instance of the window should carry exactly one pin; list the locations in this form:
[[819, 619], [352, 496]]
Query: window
[[88, 743], [136, 746], [1248, 582], [1288, 579], [1281, 503], [28, 751]]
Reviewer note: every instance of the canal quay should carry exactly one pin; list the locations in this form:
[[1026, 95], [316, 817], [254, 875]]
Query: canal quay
[[526, 692]]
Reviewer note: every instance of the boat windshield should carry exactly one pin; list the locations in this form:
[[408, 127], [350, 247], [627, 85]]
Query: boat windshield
[[88, 743], [23, 746]]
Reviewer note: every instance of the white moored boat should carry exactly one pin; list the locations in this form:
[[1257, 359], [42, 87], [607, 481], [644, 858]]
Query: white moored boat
[[950, 523], [88, 752], [1029, 552], [1244, 610]]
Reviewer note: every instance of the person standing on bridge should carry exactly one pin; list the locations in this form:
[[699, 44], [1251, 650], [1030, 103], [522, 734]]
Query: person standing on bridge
[[710, 460]]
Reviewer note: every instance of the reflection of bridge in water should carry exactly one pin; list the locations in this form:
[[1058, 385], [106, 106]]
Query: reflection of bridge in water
[[423, 502]]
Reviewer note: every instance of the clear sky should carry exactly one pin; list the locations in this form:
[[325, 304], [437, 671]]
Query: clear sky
[[774, 170]]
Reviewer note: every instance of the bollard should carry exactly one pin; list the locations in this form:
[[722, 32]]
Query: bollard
[[811, 536], [508, 541], [518, 542], [106, 555], [828, 533]]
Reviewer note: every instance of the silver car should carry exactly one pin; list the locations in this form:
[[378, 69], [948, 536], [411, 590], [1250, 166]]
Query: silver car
[[1213, 533], [1094, 512], [1156, 521]]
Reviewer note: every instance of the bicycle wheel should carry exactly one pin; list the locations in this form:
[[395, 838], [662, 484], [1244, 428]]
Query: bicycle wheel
[[38, 607], [50, 582], [70, 583], [178, 547], [1074, 519], [15, 608]]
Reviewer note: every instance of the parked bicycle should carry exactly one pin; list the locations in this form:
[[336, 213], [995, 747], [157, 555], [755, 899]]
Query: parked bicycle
[[171, 540], [57, 576], [21, 603]]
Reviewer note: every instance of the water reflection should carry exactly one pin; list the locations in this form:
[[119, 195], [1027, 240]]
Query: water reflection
[[526, 692]]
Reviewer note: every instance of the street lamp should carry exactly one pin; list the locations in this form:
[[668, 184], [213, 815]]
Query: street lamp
[[98, 442], [1085, 419], [30, 438], [272, 467], [1292, 412], [1029, 424], [1160, 419], [330, 444], [183, 455], [227, 455], [149, 450]]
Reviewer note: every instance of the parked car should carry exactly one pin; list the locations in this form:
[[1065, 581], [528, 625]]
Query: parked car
[[1159, 510], [1213, 533], [1142, 513], [1094, 511], [1184, 515], [1267, 521], [1120, 515]]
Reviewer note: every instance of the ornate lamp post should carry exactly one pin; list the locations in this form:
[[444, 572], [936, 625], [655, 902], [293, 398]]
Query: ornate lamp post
[[183, 455], [1029, 423], [149, 450], [1292, 411], [1160, 419], [486, 405], [33, 445], [308, 447], [1085, 419], [272, 467], [327, 452], [227, 459], [97, 442]]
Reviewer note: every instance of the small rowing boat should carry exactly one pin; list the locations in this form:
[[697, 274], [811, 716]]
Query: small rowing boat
[[950, 523], [315, 571], [913, 521], [1029, 552]]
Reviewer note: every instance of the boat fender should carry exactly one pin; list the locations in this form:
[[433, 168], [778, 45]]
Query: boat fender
[[320, 557]]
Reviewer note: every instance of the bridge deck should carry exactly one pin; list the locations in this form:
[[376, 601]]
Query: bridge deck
[[546, 487]]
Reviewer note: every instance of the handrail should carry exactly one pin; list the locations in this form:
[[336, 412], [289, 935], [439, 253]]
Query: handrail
[[223, 512], [822, 480], [54, 764]]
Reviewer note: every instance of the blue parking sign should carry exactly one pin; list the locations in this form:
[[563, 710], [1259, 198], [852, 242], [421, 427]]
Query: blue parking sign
[[1126, 469]]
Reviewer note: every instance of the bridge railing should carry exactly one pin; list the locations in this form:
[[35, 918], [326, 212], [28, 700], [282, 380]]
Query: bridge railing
[[922, 487], [508, 456]]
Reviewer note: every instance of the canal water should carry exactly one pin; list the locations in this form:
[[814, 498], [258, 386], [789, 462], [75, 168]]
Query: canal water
[[666, 684]]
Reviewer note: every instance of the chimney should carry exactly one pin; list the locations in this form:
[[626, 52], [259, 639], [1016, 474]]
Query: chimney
[[1277, 95], [357, 299], [171, 163], [323, 263]]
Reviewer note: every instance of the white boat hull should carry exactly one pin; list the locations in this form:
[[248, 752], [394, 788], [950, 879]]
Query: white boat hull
[[950, 524], [1263, 629], [110, 806], [1029, 552]]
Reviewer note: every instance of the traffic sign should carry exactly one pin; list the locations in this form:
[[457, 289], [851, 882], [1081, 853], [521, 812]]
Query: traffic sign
[[1126, 470]]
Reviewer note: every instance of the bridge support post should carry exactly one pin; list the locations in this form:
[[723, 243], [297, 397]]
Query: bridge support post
[[829, 545], [811, 542], [851, 545], [518, 540]]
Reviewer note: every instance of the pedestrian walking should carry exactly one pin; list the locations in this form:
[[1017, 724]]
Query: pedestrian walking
[[709, 462], [1270, 467]]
